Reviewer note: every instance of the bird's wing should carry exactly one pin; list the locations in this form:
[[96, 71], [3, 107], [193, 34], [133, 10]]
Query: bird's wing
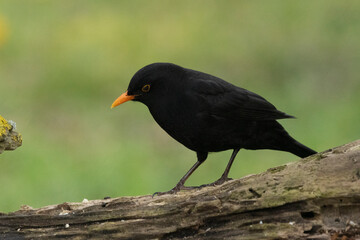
[[222, 100]]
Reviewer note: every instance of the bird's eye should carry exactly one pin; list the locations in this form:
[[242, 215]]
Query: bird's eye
[[145, 88]]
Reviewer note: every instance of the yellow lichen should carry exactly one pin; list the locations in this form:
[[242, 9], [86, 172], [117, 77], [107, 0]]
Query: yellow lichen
[[9, 139], [4, 126], [17, 138]]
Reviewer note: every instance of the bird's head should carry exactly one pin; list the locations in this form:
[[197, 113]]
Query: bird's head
[[151, 82]]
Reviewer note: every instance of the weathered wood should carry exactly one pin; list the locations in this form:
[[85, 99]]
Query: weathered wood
[[314, 198], [9, 139]]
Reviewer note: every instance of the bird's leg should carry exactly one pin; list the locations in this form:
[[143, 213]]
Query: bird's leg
[[224, 176], [180, 185]]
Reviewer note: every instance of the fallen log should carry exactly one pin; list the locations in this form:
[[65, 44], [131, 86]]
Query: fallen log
[[314, 198]]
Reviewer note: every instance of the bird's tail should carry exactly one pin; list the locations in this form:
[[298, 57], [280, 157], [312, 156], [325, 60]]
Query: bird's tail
[[299, 149], [278, 138]]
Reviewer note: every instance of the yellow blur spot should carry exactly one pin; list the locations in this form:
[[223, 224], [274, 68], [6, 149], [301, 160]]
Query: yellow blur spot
[[4, 32]]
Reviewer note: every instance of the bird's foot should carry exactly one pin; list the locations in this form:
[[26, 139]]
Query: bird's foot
[[222, 180], [178, 188], [173, 191], [217, 182]]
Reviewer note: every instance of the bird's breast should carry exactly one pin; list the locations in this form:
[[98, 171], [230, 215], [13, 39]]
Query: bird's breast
[[179, 121]]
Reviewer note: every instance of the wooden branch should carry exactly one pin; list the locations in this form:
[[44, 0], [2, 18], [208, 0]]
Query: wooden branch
[[9, 139], [314, 198]]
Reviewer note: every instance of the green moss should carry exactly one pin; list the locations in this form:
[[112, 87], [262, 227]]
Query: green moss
[[277, 169], [315, 157], [273, 229]]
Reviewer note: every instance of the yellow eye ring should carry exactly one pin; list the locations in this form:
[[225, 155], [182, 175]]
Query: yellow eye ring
[[146, 88]]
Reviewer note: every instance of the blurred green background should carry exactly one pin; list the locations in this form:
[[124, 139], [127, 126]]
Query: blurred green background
[[62, 64]]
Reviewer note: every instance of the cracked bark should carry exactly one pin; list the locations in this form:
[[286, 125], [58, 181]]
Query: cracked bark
[[314, 198]]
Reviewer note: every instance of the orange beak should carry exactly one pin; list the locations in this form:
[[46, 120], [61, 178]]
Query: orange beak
[[123, 98]]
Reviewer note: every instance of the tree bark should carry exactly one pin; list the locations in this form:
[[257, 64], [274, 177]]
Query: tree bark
[[9, 139], [314, 198]]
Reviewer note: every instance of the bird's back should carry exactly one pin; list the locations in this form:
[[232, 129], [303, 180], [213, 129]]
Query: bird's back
[[206, 113]]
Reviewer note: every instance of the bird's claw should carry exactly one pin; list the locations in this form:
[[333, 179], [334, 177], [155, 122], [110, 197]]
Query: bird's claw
[[163, 193], [217, 182], [173, 191], [182, 187], [222, 180]]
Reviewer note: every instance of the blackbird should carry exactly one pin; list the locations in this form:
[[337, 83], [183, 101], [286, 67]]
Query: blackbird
[[207, 114]]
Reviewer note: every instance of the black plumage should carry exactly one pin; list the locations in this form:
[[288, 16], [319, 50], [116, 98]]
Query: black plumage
[[207, 114]]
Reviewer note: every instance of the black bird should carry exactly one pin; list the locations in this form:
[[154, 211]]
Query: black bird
[[207, 114]]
